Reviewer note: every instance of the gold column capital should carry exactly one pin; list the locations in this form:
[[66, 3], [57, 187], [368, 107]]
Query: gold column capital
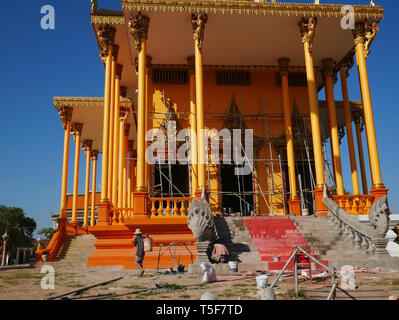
[[65, 114], [347, 63], [119, 69], [94, 155], [328, 67], [198, 21], [115, 52], [123, 114], [191, 64], [138, 27], [307, 28], [106, 37], [283, 64], [86, 145], [357, 116], [76, 130], [365, 32]]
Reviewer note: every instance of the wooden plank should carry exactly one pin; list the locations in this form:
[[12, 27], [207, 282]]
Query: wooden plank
[[77, 291]]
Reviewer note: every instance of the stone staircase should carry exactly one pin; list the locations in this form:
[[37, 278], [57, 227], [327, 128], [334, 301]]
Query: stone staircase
[[76, 249], [235, 236], [328, 243], [275, 236]]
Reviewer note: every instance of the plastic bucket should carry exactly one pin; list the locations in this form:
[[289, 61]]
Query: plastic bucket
[[233, 266], [305, 212], [261, 282]]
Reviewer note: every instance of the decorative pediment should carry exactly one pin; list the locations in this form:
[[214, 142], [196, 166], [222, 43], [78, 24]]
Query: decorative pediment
[[234, 120]]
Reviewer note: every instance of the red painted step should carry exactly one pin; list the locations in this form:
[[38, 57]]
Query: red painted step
[[275, 236]]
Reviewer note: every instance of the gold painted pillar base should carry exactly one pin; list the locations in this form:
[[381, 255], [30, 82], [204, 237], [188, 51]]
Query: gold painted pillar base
[[295, 206], [321, 209], [379, 192], [141, 203], [104, 210]]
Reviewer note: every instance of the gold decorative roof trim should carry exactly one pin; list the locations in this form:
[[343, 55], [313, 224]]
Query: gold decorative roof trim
[[110, 19], [229, 67], [246, 7], [87, 102]]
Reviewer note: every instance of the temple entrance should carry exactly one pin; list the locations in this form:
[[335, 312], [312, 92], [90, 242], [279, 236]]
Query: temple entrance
[[171, 180], [237, 191]]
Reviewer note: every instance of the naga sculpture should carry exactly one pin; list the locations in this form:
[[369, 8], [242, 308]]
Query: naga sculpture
[[200, 220], [378, 217]]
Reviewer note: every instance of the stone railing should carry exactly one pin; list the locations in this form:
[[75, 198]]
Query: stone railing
[[64, 229], [170, 207], [369, 238], [158, 208], [355, 204]]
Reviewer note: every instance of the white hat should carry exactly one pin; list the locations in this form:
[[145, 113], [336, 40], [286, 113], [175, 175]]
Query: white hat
[[138, 231]]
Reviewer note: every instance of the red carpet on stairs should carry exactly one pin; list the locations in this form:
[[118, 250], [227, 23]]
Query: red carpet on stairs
[[275, 236]]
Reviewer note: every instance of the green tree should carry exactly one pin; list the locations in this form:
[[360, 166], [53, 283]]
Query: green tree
[[18, 226], [47, 232]]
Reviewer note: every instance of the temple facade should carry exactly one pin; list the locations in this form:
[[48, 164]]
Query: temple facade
[[208, 76]]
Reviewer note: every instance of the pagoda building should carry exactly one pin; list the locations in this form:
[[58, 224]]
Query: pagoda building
[[214, 68]]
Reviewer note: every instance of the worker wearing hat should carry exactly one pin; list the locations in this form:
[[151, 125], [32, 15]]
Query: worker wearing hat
[[139, 243]]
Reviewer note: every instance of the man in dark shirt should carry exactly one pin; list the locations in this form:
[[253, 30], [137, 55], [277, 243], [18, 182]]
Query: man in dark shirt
[[139, 243]]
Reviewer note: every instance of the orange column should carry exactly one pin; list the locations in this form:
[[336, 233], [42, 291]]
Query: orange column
[[124, 168], [123, 114], [76, 133], [86, 147], [116, 136], [106, 35], [66, 117], [94, 157], [361, 152], [130, 174], [193, 127], [349, 131], [198, 22], [361, 44], [147, 76], [139, 30], [307, 28], [294, 202], [115, 50], [328, 73]]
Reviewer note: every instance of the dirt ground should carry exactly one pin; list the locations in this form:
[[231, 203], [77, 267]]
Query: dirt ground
[[25, 284]]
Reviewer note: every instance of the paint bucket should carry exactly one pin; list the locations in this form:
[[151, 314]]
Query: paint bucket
[[261, 282], [44, 257], [233, 266], [305, 211]]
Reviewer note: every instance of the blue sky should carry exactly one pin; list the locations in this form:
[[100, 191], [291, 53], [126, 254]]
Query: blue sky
[[37, 65]]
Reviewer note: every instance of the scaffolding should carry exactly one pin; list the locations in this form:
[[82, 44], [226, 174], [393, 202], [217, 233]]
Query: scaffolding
[[269, 197]]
